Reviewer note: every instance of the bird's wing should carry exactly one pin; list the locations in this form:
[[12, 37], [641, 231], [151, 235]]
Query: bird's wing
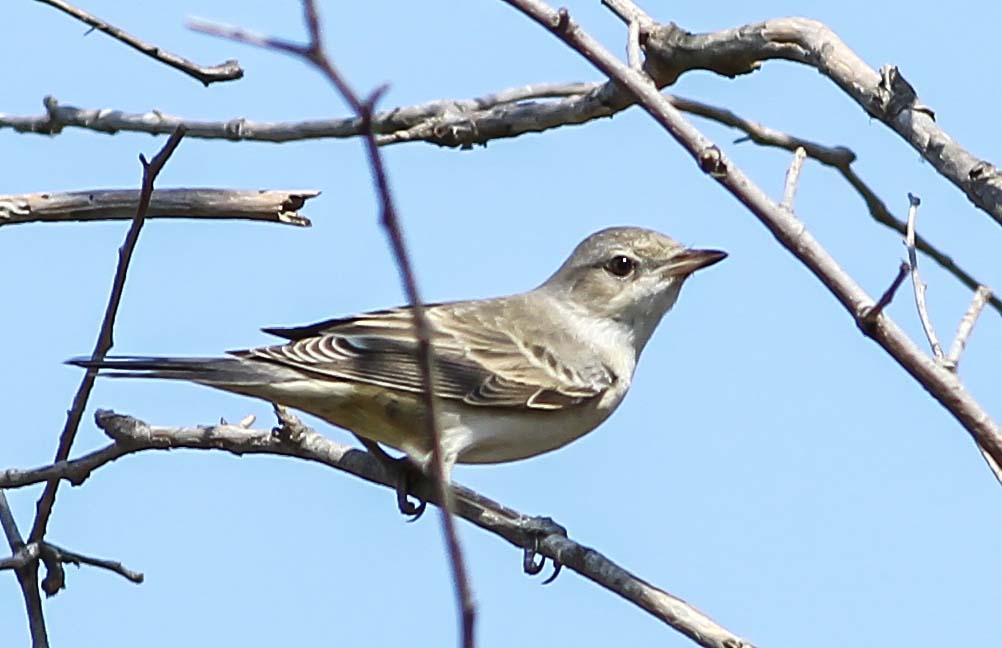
[[478, 359]]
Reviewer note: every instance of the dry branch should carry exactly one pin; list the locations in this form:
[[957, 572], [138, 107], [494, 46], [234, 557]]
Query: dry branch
[[791, 233], [884, 95], [981, 296], [271, 205], [918, 285], [671, 51], [314, 54], [466, 122], [228, 71], [105, 336], [131, 435]]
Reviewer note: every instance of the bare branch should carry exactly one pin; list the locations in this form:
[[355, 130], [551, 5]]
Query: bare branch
[[886, 96], [466, 122], [941, 383], [919, 285], [54, 557], [314, 54], [981, 296], [839, 158], [25, 564], [793, 177], [297, 440], [269, 205], [105, 336], [228, 71]]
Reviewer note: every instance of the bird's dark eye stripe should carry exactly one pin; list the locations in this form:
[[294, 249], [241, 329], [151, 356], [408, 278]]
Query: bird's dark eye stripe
[[620, 265]]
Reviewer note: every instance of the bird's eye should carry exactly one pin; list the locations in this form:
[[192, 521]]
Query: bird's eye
[[620, 265]]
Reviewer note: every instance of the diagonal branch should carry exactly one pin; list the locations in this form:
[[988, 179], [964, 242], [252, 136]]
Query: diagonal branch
[[791, 233], [104, 339], [131, 435], [228, 71], [276, 206], [884, 95], [314, 54]]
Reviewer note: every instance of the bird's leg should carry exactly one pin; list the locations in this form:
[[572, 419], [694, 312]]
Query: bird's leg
[[404, 472], [537, 529]]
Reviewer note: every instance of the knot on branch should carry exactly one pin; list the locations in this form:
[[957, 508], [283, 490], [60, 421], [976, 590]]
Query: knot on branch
[[672, 51], [711, 161], [894, 95]]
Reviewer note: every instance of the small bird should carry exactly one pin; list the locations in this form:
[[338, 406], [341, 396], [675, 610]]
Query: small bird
[[515, 376]]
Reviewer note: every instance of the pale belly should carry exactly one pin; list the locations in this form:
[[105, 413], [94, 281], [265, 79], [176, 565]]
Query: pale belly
[[469, 434]]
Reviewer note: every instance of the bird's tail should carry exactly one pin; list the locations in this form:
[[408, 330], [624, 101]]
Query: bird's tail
[[218, 372]]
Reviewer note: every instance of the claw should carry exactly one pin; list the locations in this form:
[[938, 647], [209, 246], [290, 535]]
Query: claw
[[404, 474], [538, 528], [407, 507], [529, 564]]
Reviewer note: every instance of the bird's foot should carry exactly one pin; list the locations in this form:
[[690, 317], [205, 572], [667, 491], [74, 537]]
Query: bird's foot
[[536, 530], [405, 474]]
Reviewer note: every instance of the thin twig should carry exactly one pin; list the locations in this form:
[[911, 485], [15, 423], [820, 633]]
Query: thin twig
[[981, 296], [295, 439], [793, 178], [869, 318], [941, 383], [627, 11], [277, 206], [27, 575], [314, 53], [228, 71], [105, 338], [633, 46], [54, 557], [839, 158], [918, 284]]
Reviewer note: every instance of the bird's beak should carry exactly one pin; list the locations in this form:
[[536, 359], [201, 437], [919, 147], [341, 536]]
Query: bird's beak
[[686, 262]]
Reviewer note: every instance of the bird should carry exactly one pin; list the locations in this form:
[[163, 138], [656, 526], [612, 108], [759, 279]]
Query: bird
[[515, 376]]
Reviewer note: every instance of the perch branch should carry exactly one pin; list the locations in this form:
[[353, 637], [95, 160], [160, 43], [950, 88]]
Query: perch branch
[[275, 205], [131, 435], [228, 71]]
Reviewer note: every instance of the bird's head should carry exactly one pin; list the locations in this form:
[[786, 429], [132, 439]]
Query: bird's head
[[629, 275]]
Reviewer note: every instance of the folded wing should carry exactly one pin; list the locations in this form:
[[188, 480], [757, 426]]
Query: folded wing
[[480, 359]]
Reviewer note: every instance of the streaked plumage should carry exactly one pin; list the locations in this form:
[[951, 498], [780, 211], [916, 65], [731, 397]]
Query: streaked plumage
[[518, 375]]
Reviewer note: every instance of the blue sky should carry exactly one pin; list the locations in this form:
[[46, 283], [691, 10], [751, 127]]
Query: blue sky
[[771, 465]]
